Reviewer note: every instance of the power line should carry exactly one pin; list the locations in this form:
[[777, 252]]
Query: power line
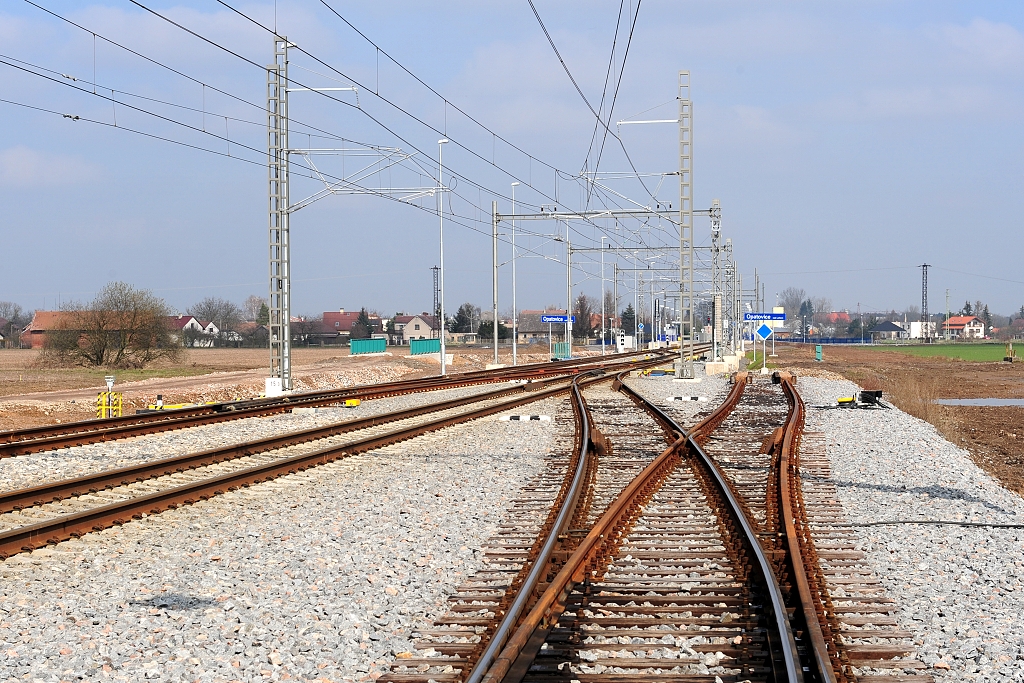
[[585, 100], [213, 43], [431, 89], [615, 96], [367, 114]]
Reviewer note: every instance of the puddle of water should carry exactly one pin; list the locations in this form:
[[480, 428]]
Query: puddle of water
[[981, 401]]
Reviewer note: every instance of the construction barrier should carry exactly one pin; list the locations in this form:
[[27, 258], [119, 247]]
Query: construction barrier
[[418, 346], [563, 350], [368, 346], [108, 404]]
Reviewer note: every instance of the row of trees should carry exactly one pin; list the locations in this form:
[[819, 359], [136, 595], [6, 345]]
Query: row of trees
[[125, 327], [467, 319]]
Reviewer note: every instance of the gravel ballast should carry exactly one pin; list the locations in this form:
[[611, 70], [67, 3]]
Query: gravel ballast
[[37, 468], [315, 576], [960, 588]]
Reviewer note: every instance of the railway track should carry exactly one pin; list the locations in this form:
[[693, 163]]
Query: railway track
[[52, 437], [668, 576], [56, 511], [725, 558]]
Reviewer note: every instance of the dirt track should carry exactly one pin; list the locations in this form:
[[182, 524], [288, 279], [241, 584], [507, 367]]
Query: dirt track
[[31, 395]]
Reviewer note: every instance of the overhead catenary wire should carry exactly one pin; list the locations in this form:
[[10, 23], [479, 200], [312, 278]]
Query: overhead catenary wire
[[360, 109], [585, 100], [242, 145]]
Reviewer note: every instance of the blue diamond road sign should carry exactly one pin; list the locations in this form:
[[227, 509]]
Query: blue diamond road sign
[[764, 332]]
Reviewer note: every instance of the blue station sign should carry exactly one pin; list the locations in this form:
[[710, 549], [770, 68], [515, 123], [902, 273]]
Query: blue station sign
[[748, 317], [556, 318]]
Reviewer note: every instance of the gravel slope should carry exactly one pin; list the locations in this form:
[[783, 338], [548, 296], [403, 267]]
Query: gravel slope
[[961, 589], [314, 576]]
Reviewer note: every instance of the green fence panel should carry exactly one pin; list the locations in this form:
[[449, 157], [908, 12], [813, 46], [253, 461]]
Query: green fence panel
[[562, 350], [418, 346], [368, 346]]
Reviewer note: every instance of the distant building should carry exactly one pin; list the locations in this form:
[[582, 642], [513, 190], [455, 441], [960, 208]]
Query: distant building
[[889, 330], [340, 323], [918, 330], [43, 322], [965, 327], [530, 329], [409, 327]]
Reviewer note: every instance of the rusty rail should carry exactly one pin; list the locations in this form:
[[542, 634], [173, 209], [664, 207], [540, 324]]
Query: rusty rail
[[65, 488], [596, 549], [73, 525], [799, 546], [52, 437], [541, 563]]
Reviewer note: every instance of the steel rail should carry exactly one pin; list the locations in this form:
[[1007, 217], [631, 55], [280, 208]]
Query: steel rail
[[541, 564], [783, 644], [66, 488], [36, 439], [64, 527], [593, 552], [798, 544]]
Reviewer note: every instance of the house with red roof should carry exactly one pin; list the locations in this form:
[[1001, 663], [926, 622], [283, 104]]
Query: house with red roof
[[43, 322], [409, 327], [965, 327]]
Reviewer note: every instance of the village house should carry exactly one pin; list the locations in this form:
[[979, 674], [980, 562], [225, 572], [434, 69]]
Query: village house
[[530, 329], [964, 327], [409, 327], [339, 323], [43, 322], [889, 330]]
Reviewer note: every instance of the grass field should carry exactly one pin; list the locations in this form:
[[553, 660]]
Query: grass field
[[980, 352], [755, 359]]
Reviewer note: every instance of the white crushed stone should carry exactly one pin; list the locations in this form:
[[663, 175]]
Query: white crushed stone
[[37, 468], [960, 589], [658, 389], [319, 576]]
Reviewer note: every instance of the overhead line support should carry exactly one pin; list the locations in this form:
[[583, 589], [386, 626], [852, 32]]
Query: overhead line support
[[279, 302]]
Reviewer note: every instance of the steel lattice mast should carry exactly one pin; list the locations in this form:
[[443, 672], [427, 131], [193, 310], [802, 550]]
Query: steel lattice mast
[[280, 254], [685, 226]]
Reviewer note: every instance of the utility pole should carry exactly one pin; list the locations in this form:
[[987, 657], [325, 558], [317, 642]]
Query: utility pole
[[716, 279], [494, 274], [440, 230], [568, 289], [436, 311], [945, 325], [636, 304], [615, 299], [925, 332], [685, 369], [515, 310], [604, 337], [280, 302]]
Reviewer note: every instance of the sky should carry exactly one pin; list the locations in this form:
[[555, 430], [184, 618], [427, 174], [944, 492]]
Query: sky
[[848, 143]]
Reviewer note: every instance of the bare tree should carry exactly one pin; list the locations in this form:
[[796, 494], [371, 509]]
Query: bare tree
[[251, 307], [221, 312], [583, 309], [790, 299], [610, 306], [16, 318], [122, 327]]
